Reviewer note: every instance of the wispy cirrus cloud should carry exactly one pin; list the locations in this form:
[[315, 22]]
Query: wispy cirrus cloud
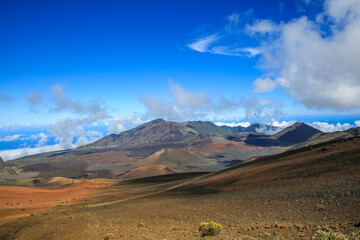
[[209, 45], [224, 40], [203, 44]]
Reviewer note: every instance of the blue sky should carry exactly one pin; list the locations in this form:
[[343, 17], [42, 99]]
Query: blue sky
[[98, 67]]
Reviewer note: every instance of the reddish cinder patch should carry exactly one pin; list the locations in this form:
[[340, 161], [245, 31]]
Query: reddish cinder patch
[[26, 200], [168, 137]]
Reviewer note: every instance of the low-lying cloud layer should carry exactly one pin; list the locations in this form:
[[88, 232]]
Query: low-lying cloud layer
[[17, 153], [316, 61], [322, 126], [69, 132]]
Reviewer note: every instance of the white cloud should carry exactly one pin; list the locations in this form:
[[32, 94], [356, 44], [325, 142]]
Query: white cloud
[[273, 126], [264, 85], [183, 105], [317, 62], [357, 123], [282, 124], [233, 124], [43, 139], [93, 109], [322, 126], [116, 126], [203, 44], [262, 109], [70, 132], [342, 9], [10, 138], [320, 72], [327, 127], [186, 98], [262, 27], [17, 153]]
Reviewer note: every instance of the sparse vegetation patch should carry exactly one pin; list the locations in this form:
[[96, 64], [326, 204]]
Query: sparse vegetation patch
[[109, 236], [328, 234], [210, 228]]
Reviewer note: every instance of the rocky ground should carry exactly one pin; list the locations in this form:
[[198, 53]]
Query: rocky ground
[[293, 211], [289, 196]]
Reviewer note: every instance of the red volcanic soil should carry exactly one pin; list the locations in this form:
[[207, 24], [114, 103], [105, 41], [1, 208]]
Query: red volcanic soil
[[19, 201], [148, 171], [168, 137]]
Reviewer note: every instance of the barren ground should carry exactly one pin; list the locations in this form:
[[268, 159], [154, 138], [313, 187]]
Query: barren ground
[[276, 196]]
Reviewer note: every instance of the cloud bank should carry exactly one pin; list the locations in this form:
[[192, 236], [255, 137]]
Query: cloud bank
[[322, 126], [22, 152], [69, 132], [182, 105], [316, 61]]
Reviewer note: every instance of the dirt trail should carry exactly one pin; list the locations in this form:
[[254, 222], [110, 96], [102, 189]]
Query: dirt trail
[[143, 195]]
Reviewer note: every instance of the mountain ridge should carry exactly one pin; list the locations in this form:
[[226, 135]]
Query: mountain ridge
[[219, 146], [160, 131]]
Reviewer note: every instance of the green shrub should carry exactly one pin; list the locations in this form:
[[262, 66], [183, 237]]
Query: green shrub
[[355, 236], [210, 229], [66, 213], [109, 236], [326, 229], [320, 207]]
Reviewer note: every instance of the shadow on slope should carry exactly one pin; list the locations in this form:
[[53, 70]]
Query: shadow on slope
[[338, 159]]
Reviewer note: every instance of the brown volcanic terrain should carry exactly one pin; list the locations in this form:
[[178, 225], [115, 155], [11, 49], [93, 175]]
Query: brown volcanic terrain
[[277, 196], [148, 171], [330, 160], [220, 146], [179, 159], [123, 152]]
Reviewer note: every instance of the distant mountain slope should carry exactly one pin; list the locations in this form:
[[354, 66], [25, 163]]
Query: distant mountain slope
[[212, 148], [333, 159], [160, 131], [154, 131], [294, 134], [326, 137], [297, 133], [148, 171]]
